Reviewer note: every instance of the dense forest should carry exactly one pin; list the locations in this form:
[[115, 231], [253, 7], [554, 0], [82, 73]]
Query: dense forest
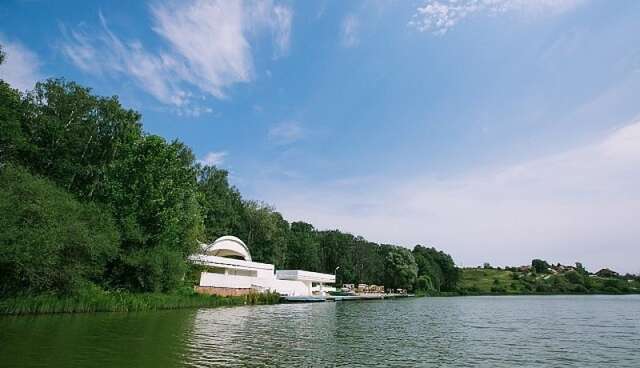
[[91, 200]]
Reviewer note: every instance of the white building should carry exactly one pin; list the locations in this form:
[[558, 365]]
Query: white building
[[230, 271]]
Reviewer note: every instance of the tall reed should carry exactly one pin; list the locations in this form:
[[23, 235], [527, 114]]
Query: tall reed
[[97, 300]]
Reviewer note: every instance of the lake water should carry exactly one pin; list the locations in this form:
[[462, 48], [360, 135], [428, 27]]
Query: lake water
[[528, 331]]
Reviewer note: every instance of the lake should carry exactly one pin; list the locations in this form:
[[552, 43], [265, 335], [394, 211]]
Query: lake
[[526, 331]]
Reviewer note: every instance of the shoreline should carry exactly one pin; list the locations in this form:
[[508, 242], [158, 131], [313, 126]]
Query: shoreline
[[452, 295], [148, 302], [103, 301]]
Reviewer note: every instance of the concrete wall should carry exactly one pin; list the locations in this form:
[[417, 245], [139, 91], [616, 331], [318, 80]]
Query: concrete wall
[[225, 281], [283, 287]]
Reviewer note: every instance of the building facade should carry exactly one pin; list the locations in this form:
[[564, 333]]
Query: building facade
[[229, 270]]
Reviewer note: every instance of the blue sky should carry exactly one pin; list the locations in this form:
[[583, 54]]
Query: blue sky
[[497, 130]]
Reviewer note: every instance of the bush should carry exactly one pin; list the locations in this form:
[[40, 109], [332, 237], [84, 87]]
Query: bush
[[498, 289], [574, 277], [579, 289], [49, 241], [424, 283]]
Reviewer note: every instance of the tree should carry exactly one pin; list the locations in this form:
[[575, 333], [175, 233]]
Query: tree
[[581, 270], [49, 241], [303, 247], [2, 55], [73, 137], [401, 269], [438, 266], [540, 266], [574, 277], [222, 207], [152, 192], [424, 283], [266, 233], [11, 116]]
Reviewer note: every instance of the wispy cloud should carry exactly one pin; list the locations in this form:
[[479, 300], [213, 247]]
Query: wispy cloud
[[349, 31], [285, 132], [579, 205], [21, 68], [206, 50], [281, 28], [439, 16], [213, 158]]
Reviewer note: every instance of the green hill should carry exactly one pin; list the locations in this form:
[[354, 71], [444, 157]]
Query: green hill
[[484, 281]]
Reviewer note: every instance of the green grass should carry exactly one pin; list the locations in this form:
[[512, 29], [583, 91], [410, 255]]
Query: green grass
[[104, 301], [483, 280], [480, 281]]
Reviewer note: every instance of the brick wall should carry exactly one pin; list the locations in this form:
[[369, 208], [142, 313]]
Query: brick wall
[[223, 291]]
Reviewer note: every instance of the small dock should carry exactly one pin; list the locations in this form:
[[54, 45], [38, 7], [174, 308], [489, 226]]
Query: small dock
[[341, 298]]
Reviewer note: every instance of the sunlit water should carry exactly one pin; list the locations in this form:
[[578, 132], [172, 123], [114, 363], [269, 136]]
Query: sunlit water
[[537, 331]]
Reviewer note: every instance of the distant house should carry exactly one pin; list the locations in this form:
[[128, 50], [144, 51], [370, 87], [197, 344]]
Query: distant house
[[605, 272], [524, 268]]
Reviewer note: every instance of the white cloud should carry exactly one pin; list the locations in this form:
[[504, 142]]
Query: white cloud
[[21, 66], [580, 205], [281, 26], [438, 16], [349, 31], [206, 47], [285, 132], [213, 158]]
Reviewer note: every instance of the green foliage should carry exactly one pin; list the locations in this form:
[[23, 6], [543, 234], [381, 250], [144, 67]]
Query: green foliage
[[438, 266], [11, 116], [268, 237], [96, 150], [303, 247], [401, 269], [222, 207], [424, 283], [574, 277], [49, 241], [73, 137], [153, 194]]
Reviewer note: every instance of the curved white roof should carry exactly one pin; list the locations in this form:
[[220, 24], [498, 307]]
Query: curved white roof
[[227, 246]]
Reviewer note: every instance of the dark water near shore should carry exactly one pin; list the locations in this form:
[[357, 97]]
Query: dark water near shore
[[535, 331]]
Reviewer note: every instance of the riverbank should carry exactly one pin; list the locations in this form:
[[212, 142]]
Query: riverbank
[[106, 301]]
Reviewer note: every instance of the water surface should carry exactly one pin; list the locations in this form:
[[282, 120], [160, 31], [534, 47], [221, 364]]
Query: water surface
[[531, 331]]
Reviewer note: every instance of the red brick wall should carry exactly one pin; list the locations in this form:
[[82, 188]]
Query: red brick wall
[[222, 291]]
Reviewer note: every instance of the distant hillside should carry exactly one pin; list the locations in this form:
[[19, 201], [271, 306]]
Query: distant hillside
[[526, 280]]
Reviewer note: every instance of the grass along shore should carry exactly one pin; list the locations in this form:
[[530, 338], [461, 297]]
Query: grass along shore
[[96, 300]]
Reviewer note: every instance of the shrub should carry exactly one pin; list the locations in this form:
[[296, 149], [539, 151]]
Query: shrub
[[574, 277], [424, 283], [49, 241]]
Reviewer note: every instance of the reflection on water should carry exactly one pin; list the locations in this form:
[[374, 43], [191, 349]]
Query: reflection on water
[[576, 331], [95, 340], [292, 334]]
